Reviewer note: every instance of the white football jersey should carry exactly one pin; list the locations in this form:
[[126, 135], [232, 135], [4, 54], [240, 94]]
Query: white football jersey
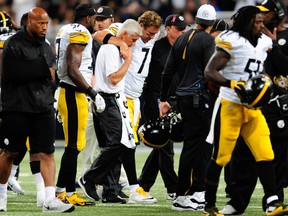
[[245, 60], [4, 37], [73, 34], [139, 67]]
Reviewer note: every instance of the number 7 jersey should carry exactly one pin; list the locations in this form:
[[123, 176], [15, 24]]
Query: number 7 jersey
[[139, 67]]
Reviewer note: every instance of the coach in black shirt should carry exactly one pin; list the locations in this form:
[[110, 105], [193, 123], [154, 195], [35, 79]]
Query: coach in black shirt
[[160, 159], [185, 65]]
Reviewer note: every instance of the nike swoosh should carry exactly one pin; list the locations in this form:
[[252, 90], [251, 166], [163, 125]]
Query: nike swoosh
[[84, 182], [46, 207]]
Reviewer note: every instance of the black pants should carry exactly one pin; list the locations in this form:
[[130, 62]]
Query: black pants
[[243, 166], [196, 151], [114, 151], [112, 185], [159, 159]]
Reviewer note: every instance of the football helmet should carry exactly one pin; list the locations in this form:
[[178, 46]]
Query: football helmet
[[155, 133], [5, 23], [257, 91]]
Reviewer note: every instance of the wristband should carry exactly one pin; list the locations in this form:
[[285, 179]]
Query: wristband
[[91, 92], [230, 83], [106, 38]]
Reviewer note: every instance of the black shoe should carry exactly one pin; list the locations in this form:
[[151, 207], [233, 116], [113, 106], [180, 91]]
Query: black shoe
[[113, 198], [89, 189], [123, 195]]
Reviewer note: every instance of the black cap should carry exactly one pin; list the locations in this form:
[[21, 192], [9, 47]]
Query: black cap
[[220, 25], [273, 5], [105, 11], [175, 20], [83, 10]]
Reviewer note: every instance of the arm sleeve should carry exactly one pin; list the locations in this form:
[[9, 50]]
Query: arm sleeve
[[167, 75]]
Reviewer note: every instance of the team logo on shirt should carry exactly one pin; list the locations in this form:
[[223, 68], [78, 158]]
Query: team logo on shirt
[[281, 41]]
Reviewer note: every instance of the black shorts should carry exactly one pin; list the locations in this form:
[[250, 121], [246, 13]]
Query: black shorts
[[39, 127]]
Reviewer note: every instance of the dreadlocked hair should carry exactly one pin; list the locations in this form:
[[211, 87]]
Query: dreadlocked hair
[[242, 20]]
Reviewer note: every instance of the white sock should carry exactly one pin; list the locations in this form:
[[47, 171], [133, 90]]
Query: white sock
[[133, 187], [13, 171], [40, 186], [272, 198], [60, 190], [69, 194], [3, 190], [49, 193]]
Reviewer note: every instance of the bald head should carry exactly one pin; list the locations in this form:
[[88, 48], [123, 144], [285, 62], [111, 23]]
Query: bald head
[[37, 22]]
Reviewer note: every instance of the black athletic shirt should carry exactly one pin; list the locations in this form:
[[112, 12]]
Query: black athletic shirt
[[189, 72]]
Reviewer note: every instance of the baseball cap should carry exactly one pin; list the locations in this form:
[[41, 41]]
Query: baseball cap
[[206, 15], [267, 5], [175, 20], [105, 11], [220, 25], [83, 10]]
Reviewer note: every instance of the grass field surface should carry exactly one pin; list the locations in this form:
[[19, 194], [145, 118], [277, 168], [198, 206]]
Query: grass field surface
[[21, 205]]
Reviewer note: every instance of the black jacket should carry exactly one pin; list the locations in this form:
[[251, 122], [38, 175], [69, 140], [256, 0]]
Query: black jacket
[[188, 73], [26, 85]]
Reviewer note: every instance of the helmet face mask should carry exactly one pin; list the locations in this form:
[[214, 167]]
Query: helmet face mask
[[5, 23]]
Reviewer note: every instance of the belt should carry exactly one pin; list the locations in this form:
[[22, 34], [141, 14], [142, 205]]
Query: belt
[[70, 87], [103, 94]]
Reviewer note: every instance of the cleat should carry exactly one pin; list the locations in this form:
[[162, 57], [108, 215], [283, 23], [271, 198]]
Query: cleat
[[56, 205], [3, 204], [171, 196], [140, 196], [40, 198], [123, 195], [77, 200], [183, 203], [199, 198], [61, 196], [276, 208], [229, 210], [113, 198], [212, 211], [14, 185], [89, 189]]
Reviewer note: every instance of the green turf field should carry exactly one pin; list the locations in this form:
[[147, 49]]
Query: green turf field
[[26, 204]]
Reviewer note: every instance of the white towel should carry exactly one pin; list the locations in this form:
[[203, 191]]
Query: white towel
[[127, 138], [210, 137]]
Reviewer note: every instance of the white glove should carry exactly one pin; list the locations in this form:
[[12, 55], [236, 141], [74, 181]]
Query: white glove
[[59, 119], [100, 103]]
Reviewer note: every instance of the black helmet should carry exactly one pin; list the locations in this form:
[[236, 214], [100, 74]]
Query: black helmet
[[155, 133], [176, 126], [258, 91], [5, 23]]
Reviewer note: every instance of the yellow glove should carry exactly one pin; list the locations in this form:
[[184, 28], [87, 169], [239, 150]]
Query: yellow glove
[[237, 84]]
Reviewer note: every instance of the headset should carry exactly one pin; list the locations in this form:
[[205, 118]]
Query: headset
[[280, 9]]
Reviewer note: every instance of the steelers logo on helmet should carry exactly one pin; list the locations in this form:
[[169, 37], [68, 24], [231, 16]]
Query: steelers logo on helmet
[[259, 91], [155, 133], [5, 23]]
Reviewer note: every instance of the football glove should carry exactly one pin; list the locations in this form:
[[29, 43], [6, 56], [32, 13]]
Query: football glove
[[239, 88], [99, 103]]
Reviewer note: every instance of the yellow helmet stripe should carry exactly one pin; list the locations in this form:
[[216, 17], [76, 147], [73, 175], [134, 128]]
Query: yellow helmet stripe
[[261, 93], [150, 144], [3, 18]]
